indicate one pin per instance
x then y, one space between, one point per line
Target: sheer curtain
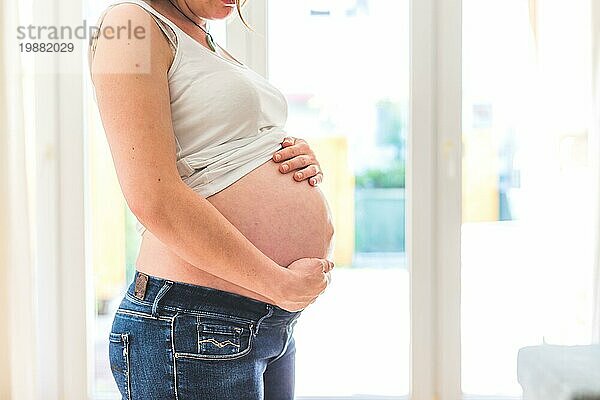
4 347
17 338
595 15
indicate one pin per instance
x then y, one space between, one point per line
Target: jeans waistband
163 294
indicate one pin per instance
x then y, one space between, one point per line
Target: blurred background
529 271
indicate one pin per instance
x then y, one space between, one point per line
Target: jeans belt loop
163 290
270 308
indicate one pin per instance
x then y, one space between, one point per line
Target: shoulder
125 11
128 37
127 16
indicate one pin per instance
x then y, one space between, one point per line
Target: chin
223 12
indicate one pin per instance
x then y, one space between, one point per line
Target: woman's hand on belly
298 155
308 278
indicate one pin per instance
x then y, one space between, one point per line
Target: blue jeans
178 341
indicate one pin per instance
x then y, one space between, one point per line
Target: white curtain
4 346
17 277
595 15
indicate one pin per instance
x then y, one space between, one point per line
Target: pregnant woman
233 247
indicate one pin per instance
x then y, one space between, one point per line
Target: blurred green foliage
391 177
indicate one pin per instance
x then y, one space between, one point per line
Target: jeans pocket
118 354
211 337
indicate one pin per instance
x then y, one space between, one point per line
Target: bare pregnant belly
285 219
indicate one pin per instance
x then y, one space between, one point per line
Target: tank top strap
162 21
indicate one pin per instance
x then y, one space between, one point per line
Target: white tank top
227 119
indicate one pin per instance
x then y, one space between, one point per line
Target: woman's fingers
297 155
288 141
327 265
316 180
312 172
306 173
298 148
297 162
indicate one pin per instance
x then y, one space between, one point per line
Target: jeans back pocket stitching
227 330
199 356
214 328
219 344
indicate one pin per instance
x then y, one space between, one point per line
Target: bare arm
135 110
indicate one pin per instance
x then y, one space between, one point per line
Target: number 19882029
46 47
